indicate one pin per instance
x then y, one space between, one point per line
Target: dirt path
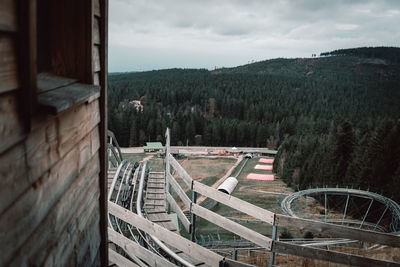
220 181
147 158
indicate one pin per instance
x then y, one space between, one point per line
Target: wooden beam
233 227
103 81
120 260
233 202
181 171
331 256
338 230
172 239
9 65
178 189
8 16
64 98
175 207
134 249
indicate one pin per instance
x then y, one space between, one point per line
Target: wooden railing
270 244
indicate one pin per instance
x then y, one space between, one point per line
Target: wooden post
193 219
234 254
272 254
167 164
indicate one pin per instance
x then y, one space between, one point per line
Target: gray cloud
146 34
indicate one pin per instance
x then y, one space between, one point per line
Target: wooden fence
270 244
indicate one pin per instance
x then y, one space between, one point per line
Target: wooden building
53 77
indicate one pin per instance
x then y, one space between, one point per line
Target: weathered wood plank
11 124
19 221
326 255
338 230
47 81
64 98
233 202
96 58
233 227
181 171
232 263
69 208
131 248
65 253
45 145
175 207
172 239
8 16
96 8
178 189
96 31
96 78
120 260
8 62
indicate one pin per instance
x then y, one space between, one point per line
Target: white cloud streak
148 34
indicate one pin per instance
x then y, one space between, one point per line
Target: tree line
334 119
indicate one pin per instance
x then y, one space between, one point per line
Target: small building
153 147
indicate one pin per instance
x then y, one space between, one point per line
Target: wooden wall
52 196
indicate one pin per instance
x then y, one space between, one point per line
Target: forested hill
326 114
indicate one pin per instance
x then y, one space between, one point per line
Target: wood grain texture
96 58
181 171
47 81
233 202
330 256
65 252
64 98
338 230
233 227
96 31
19 221
178 189
170 238
8 16
120 260
11 124
45 145
133 249
68 209
175 207
96 8
8 63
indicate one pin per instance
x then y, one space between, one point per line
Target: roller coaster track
136 239
393 207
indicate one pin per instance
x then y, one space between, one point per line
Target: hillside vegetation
335 118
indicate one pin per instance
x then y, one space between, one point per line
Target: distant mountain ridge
361 62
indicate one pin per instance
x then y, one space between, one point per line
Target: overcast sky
150 34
